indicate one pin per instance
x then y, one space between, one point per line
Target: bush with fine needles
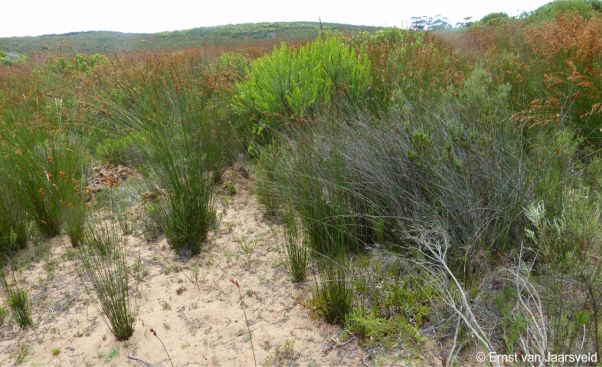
294 84
105 274
17 299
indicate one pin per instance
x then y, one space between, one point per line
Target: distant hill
102 41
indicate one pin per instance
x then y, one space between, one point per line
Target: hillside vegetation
430 186
110 42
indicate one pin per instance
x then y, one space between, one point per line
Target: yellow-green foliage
550 10
291 84
80 63
392 303
12 58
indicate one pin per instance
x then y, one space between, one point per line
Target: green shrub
376 330
12 58
152 226
291 84
493 18
17 300
79 63
108 280
121 150
393 300
549 11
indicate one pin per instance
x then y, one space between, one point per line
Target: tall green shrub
293 84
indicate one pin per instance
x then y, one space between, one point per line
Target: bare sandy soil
201 323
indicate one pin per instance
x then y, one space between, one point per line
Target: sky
30 18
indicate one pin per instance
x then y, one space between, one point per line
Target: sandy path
201 324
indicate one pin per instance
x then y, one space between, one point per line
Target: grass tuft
17 300
107 278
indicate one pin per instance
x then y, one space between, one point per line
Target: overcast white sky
29 17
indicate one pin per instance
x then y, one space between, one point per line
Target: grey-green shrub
568 246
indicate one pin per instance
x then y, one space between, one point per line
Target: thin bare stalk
242 306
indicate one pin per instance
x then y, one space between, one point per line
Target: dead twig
242 305
143 363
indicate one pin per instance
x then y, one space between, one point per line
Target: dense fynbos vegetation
445 181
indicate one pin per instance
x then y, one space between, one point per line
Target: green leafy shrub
493 18
548 12
106 275
120 150
376 330
12 58
80 63
291 84
393 303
